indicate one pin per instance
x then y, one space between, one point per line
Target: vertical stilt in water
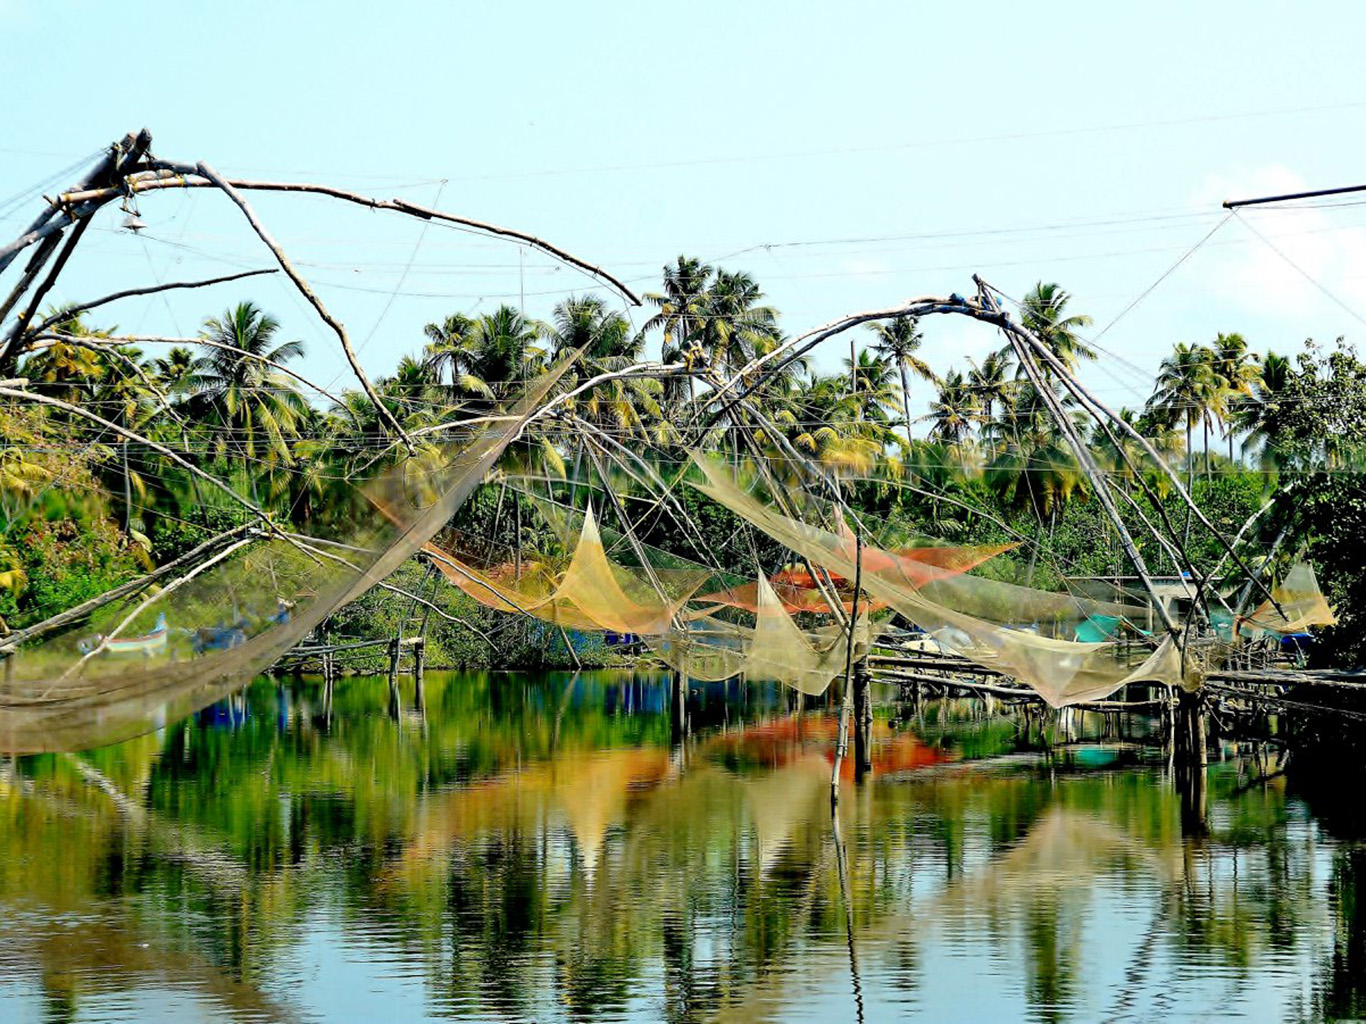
863 720
419 665
395 704
678 682
419 675
1191 758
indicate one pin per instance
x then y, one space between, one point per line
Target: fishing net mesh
236 613
1014 630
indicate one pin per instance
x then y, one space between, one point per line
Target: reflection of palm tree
898 341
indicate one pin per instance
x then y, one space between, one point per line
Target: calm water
536 848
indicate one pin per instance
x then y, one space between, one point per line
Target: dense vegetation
81 509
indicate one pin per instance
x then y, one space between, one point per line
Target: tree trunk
1190 459
906 400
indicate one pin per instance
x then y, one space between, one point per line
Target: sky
849 156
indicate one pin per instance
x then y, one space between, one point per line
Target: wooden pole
419 664
842 742
395 652
863 719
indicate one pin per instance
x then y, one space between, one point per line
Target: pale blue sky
848 155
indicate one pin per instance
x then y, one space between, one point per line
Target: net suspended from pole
775 648
237 612
798 592
593 593
1301 605
1018 631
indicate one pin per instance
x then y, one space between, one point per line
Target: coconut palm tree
1260 415
629 405
991 384
253 406
1187 389
1239 370
870 391
820 419
684 305
898 341
953 410
445 353
1044 313
486 355
177 372
737 326
67 369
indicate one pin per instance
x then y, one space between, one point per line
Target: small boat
146 645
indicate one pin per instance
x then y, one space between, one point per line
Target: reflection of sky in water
535 849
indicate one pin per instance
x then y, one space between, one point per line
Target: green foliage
67 562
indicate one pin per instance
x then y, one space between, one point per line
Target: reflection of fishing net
240 610
1014 630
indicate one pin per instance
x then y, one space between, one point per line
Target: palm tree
819 418
683 306
1187 389
67 369
737 327
444 351
953 410
630 405
251 403
1259 416
1044 313
870 390
899 341
1239 370
991 384
484 354
177 373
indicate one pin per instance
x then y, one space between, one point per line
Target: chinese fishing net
1017 631
592 593
193 641
1296 603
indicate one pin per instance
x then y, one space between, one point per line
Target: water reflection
539 848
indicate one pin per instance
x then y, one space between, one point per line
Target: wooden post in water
678 682
419 664
1190 760
863 719
395 652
